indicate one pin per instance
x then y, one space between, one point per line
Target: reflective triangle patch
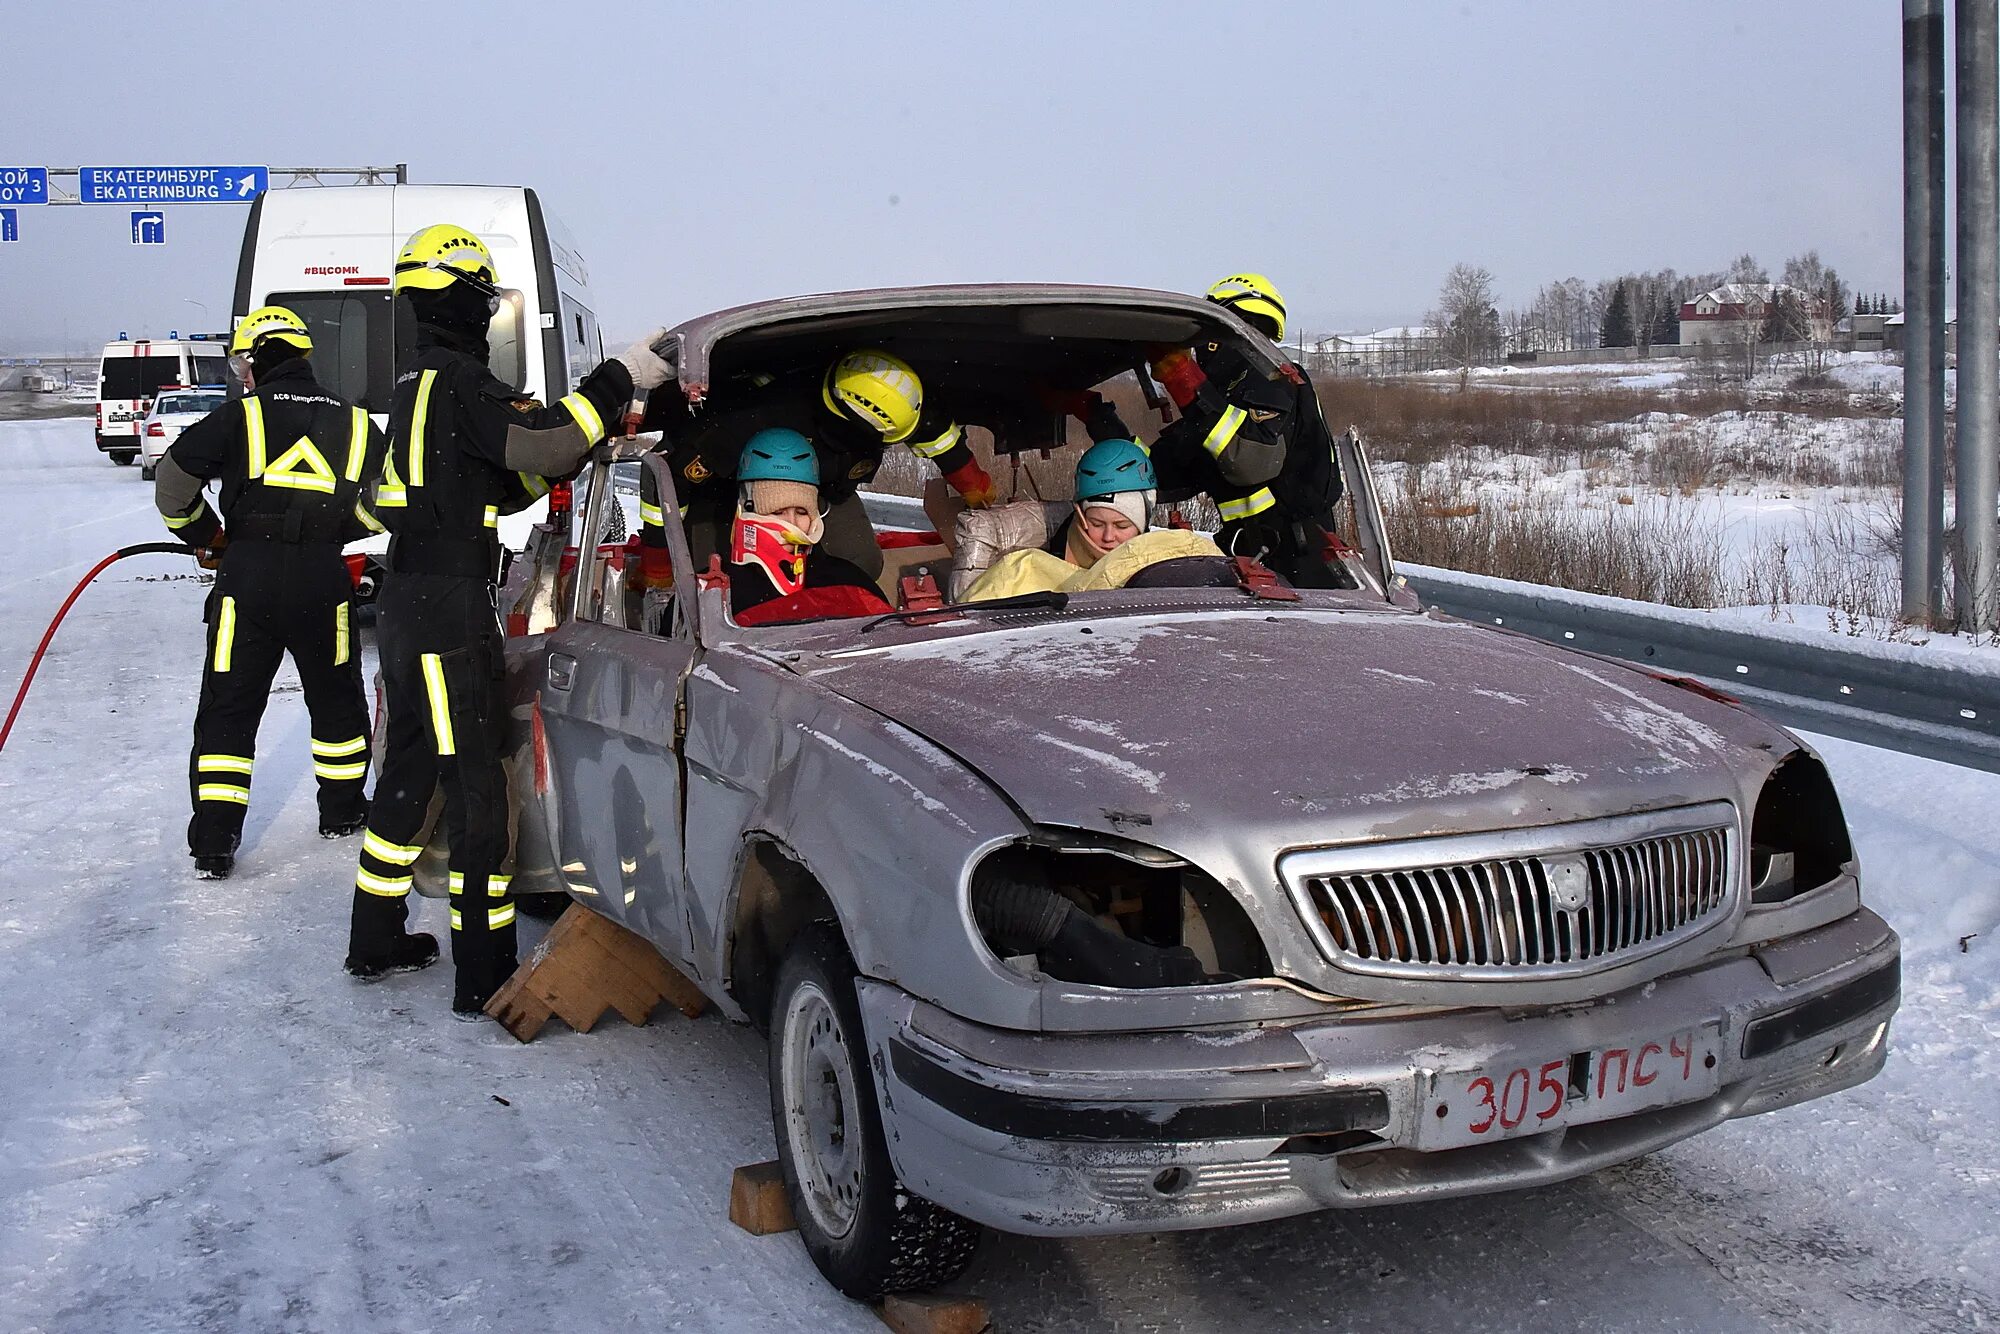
302 468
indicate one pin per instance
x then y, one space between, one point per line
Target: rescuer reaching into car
464 447
775 573
1258 446
851 411
293 460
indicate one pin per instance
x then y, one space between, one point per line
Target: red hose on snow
142 549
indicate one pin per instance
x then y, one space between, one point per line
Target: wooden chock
757 1202
934 1313
588 964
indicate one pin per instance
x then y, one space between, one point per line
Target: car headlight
1798 836
1110 912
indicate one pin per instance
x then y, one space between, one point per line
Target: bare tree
1745 269
1467 325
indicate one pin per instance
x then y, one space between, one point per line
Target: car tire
863 1229
124 458
145 472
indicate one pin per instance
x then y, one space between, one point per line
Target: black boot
214 865
406 955
341 828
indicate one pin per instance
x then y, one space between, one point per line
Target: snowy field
206 1125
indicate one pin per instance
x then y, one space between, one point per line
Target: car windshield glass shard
1052 601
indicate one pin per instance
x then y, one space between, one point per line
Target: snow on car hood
1314 726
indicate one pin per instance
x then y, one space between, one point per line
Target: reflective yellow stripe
652 515
337 772
391 498
458 882
492 516
495 918
333 750
253 430
339 637
222 764
396 854
440 703
1223 434
1255 503
185 519
496 885
301 468
368 521
357 446
222 792
225 632
537 486
388 887
944 443
585 415
418 420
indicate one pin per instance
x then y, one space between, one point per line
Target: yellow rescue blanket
1038 572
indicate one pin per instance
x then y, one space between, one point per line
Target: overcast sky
709 156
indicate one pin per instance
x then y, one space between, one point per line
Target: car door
610 708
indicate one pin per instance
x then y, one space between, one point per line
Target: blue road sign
171 185
149 228
24 185
10 225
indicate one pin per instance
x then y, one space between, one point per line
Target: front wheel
867 1234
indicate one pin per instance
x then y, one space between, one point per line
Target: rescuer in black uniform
465 447
1255 443
293 460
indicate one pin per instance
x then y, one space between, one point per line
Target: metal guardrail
1920 704
1927 706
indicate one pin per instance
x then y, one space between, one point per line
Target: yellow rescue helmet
441 254
269 322
1255 298
872 386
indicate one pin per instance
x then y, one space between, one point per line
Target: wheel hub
822 1111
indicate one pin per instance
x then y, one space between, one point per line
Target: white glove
648 371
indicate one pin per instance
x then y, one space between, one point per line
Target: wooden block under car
757 1202
588 964
934 1313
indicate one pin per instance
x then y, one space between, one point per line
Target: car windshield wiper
1051 600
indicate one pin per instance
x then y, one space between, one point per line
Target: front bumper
1079 1134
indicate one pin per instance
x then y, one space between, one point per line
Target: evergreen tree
1861 304
1616 331
1666 321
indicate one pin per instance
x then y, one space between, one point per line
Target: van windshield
354 346
124 378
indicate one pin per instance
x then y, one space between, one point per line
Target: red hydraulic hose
143 548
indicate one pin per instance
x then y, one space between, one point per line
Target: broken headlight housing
1798 836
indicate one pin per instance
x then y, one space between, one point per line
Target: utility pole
1923 305
1978 459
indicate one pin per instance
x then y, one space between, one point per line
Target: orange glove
1179 373
210 556
970 480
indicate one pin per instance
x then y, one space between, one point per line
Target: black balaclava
269 355
458 312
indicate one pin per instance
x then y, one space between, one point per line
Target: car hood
1305 726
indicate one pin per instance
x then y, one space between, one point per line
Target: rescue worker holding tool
852 411
464 445
293 460
1258 446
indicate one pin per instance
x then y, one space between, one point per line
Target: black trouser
270 599
442 685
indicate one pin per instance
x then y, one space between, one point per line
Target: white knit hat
1135 506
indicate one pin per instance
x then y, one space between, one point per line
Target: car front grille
1581 901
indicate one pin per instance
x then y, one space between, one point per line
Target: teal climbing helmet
1111 466
778 454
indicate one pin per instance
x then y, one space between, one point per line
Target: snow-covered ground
205 1125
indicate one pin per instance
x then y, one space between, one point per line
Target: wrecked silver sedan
1172 907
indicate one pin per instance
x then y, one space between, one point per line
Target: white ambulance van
131 372
328 253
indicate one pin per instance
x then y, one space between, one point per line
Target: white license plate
1527 1097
